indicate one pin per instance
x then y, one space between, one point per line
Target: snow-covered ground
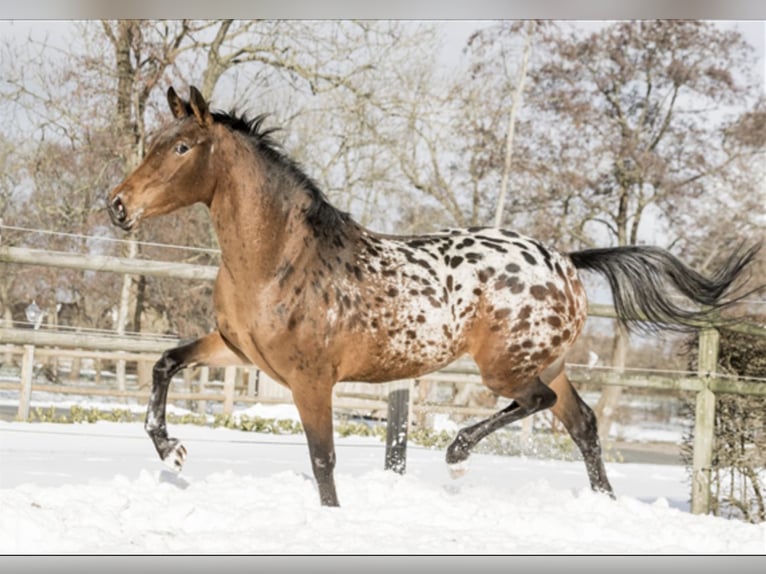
99 488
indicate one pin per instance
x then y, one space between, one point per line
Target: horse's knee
537 397
166 366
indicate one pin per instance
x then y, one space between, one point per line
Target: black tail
646 283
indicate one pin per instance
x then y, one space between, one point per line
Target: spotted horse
312 297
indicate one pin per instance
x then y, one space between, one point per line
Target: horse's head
176 171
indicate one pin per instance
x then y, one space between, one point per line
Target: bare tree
626 127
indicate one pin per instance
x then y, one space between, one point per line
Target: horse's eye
181 148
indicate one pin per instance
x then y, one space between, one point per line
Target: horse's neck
258 232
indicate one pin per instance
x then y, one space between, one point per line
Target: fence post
204 377
397 425
252 382
704 423
27 368
229 382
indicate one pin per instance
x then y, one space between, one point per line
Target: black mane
324 219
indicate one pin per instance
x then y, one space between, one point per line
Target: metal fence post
397 425
704 423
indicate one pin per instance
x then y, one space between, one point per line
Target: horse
311 297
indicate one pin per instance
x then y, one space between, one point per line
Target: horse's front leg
314 404
209 350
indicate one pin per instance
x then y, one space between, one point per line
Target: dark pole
396 426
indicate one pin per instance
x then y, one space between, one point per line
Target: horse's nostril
118 209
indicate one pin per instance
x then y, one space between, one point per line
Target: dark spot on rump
508 233
495 246
540 355
525 312
420 318
447 331
555 340
566 334
467 242
473 258
522 327
497 240
485 274
554 321
512 283
428 291
502 313
411 334
417 243
515 285
527 344
455 261
405 251
512 268
528 258
538 292
445 246
392 291
449 283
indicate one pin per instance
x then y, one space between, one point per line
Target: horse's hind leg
533 397
581 423
210 350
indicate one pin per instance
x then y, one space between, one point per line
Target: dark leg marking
580 422
539 398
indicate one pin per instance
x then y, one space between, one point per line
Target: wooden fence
706 383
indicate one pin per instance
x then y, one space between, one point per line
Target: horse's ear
199 108
176 104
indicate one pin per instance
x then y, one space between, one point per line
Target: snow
100 489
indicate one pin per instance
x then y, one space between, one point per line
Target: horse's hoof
176 455
457 469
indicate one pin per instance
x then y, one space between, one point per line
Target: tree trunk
515 105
